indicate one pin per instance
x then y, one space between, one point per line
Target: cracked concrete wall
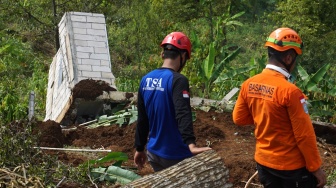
83 54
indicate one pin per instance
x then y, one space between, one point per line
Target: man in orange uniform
286 150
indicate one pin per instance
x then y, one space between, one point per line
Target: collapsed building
81 71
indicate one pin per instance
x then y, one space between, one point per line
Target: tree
314 21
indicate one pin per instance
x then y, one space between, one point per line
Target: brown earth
234 144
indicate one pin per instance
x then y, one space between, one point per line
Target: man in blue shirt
164 112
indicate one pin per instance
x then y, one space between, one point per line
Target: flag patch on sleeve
304 104
185 94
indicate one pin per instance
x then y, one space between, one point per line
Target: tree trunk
203 170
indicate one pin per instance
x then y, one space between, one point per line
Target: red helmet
179 40
283 39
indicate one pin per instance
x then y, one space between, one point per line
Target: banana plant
257 65
210 71
311 82
121 117
320 88
113 173
233 76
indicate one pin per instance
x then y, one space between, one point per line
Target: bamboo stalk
72 149
88 123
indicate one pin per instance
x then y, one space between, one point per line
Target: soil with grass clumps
234 144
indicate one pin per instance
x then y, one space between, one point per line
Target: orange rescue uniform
285 137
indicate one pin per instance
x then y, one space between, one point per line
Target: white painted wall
83 54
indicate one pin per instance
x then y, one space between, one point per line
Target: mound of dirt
90 89
234 144
51 134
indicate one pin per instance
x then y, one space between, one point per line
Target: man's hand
196 150
321 177
140 158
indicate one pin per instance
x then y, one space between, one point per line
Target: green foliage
21 72
321 92
113 173
122 117
314 21
117 157
210 71
135 29
123 81
332 178
17 141
233 76
310 82
219 54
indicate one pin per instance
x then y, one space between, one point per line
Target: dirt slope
234 144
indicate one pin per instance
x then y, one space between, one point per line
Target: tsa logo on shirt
153 84
304 104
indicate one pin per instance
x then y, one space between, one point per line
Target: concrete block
81 25
98 26
101 69
84 49
99 56
98 15
84 67
83 43
79 31
61 24
83 55
97 44
102 50
81 13
78 18
90 62
105 63
107 75
63 48
61 28
96 19
99 38
99 32
83 37
91 74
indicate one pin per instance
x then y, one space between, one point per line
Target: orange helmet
283 39
179 40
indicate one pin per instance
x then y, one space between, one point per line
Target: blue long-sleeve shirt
164 115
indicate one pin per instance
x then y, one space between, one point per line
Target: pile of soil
234 144
90 89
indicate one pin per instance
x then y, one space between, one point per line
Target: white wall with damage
83 54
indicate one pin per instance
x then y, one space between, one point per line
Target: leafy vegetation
113 173
227 38
217 30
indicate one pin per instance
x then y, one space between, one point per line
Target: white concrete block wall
83 54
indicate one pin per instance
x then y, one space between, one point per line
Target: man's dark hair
170 51
170 54
272 53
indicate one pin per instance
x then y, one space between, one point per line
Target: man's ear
185 55
162 55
